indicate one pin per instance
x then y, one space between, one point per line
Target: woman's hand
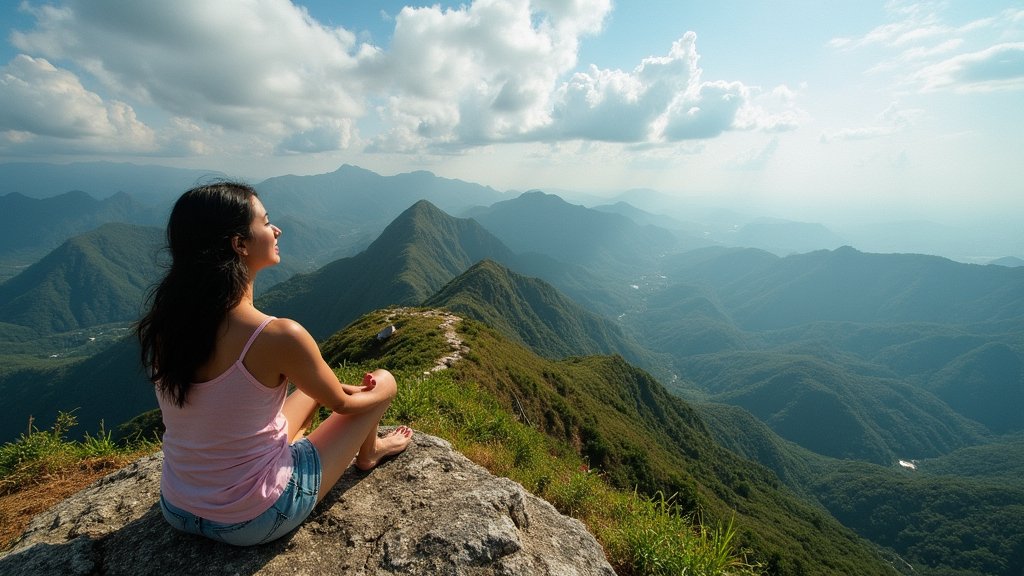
368 384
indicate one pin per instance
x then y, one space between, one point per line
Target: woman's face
260 250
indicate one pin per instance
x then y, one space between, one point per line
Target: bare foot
387 445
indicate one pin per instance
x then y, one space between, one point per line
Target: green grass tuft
39 454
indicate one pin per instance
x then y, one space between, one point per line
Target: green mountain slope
31 227
417 253
687 320
534 313
1003 459
985 384
852 355
742 433
937 524
95 278
352 205
958 514
105 389
831 409
631 430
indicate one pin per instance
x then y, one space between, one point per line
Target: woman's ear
238 244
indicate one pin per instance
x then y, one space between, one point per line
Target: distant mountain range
148 184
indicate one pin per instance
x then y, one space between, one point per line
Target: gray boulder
427 511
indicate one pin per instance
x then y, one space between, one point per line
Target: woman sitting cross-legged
238 466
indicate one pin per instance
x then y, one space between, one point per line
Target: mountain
689 319
741 432
833 409
977 244
98 277
546 224
325 216
148 183
784 236
985 384
690 234
937 524
851 355
32 227
1008 261
354 194
848 285
352 205
853 386
417 254
536 314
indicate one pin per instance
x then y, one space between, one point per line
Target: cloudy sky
801 108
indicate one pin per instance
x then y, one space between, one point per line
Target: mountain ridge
423 247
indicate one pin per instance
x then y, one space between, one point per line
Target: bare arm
301 363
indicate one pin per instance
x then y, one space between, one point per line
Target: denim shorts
291 508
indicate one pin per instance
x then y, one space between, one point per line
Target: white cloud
664 99
893 120
320 138
932 55
262 66
999 67
480 73
43 101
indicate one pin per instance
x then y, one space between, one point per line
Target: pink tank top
226 454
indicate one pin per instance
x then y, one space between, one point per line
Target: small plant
656 537
38 454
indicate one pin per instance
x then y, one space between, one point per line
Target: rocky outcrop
427 511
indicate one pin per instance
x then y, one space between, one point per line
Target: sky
805 110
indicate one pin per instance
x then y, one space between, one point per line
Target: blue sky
806 110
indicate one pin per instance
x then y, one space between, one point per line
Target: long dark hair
206 279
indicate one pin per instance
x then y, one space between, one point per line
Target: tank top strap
252 338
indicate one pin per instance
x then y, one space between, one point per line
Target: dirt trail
447 323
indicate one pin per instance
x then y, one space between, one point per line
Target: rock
427 511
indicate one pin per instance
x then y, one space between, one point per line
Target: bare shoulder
288 334
285 327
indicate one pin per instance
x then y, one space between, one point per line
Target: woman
238 466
